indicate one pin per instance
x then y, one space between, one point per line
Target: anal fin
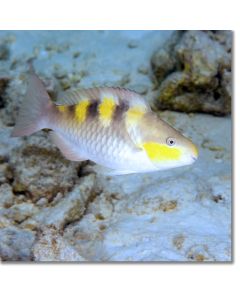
67 148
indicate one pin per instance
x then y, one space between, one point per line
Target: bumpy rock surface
4 50
63 210
193 72
52 210
16 244
39 170
50 247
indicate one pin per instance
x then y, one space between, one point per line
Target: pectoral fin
67 148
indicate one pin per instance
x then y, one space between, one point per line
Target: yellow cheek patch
62 108
134 115
159 152
106 110
81 110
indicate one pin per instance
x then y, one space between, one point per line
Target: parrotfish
113 127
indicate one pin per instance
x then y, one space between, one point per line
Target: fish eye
171 141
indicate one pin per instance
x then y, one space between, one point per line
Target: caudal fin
34 110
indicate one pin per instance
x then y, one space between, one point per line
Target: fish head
165 146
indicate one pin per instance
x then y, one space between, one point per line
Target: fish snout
194 152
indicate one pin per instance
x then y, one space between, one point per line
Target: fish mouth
194 158
194 152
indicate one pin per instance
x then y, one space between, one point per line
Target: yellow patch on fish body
159 152
134 115
106 110
81 110
62 108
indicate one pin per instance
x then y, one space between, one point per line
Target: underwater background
50 210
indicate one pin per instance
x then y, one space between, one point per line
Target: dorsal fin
93 94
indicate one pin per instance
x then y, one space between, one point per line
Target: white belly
110 147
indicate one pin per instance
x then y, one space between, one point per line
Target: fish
111 126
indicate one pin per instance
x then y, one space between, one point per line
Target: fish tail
35 110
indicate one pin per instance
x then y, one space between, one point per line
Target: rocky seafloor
51 210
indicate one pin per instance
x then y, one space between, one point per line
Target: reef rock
16 244
40 170
194 72
6 195
51 246
64 210
4 51
4 80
